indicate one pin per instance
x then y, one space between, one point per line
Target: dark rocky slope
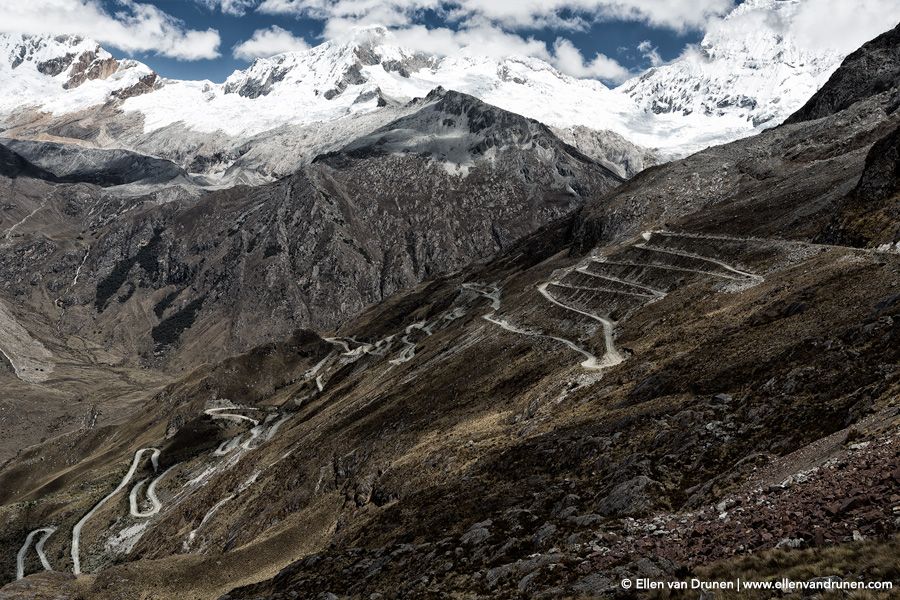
871 70
145 282
870 213
13 165
76 164
785 181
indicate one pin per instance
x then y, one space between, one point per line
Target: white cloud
813 26
136 27
481 40
568 59
841 25
488 27
649 52
237 8
268 42
677 15
511 14
383 12
489 40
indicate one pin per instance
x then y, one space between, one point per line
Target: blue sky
617 39
232 29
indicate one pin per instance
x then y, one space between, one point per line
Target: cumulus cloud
839 25
843 26
568 59
513 14
491 27
385 12
650 53
134 27
489 40
268 42
661 13
236 8
481 40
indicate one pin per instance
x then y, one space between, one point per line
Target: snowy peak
371 57
55 70
71 59
363 73
330 68
747 68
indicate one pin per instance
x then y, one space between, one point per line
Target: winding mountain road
217 413
228 445
215 507
409 347
273 429
254 433
492 293
39 548
155 504
76 530
590 361
650 290
727 267
582 288
612 356
340 343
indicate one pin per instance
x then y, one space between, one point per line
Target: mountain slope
13 165
610 149
869 216
101 167
172 276
457 130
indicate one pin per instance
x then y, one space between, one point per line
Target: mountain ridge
742 86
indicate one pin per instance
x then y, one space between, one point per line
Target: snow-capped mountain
747 74
61 74
369 71
263 122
